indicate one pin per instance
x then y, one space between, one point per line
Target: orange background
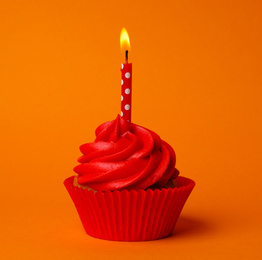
196 82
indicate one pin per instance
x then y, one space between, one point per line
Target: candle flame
124 40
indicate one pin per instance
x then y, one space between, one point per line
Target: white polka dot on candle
122 82
121 113
122 66
127 107
127 91
127 75
122 98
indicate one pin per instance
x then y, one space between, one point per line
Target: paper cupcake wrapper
130 215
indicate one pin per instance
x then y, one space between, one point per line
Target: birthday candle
126 79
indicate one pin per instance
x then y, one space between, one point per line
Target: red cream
125 156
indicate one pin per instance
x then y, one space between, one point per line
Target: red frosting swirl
125 156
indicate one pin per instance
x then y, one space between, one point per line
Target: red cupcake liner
130 215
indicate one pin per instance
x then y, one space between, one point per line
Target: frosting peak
125 156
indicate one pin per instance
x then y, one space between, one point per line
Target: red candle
126 80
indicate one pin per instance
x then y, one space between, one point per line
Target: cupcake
126 186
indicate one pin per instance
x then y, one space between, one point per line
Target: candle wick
126 56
